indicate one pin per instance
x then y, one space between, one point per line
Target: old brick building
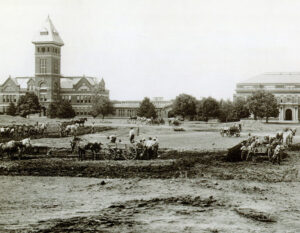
48 83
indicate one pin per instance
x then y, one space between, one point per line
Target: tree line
260 104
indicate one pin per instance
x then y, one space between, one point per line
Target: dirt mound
255 215
124 216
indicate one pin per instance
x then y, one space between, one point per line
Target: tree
226 111
28 104
61 109
147 109
208 108
263 104
101 105
52 110
11 110
241 108
185 105
65 110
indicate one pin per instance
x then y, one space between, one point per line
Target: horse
288 136
83 145
42 127
11 147
81 121
25 144
72 129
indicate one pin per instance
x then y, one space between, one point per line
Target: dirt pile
255 215
123 217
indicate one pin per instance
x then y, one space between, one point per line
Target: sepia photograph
141 116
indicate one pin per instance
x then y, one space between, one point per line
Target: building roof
69 82
274 78
48 34
136 104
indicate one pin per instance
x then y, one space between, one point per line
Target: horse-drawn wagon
112 151
230 131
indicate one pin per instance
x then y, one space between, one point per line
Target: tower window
43 68
48 49
43 49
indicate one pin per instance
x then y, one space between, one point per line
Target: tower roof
48 34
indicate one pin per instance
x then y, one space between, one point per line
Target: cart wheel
113 154
108 154
130 153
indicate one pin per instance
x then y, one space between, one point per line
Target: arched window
43 86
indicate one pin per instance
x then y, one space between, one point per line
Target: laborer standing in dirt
60 129
277 154
244 151
131 135
112 138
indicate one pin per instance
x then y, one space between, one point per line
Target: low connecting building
51 86
129 108
284 85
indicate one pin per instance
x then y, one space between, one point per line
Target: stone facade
286 88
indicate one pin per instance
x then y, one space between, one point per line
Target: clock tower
47 63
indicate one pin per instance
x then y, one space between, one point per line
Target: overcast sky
157 47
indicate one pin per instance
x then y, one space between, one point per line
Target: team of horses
13 147
142 149
23 130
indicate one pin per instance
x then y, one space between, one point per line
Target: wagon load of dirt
234 153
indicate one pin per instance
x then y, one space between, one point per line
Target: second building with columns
284 85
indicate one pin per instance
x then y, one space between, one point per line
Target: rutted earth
183 191
209 196
63 204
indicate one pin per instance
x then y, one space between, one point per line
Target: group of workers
273 147
148 148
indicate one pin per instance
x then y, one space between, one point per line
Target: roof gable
10 84
74 82
82 83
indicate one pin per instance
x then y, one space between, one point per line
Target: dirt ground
189 189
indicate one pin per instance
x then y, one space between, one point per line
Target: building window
78 99
43 50
56 67
48 50
43 69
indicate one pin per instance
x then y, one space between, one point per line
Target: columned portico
288 113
